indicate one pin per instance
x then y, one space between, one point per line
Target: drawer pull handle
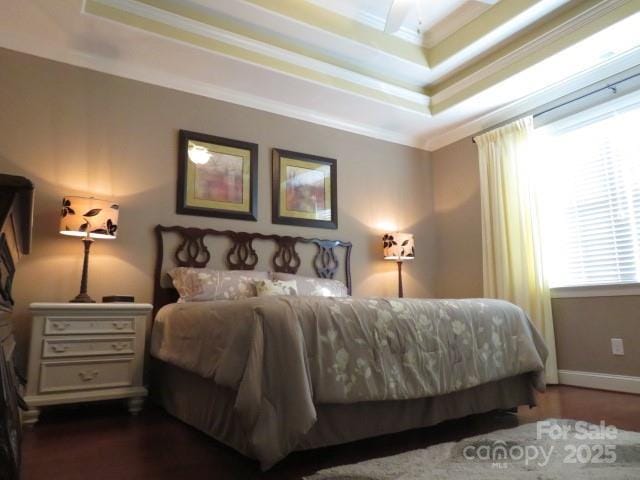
119 346
88 375
119 325
59 348
60 325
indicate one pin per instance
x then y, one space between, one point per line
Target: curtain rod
608 86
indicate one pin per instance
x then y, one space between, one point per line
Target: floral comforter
284 355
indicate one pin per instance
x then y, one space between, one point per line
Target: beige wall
584 326
456 191
75 131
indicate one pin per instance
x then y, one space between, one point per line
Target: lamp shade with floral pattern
89 217
398 246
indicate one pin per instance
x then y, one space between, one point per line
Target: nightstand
84 352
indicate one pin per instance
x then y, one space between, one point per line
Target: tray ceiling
427 22
453 68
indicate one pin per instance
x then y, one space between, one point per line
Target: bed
270 375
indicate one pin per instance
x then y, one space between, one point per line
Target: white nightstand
82 352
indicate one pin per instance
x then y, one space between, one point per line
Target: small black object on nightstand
118 299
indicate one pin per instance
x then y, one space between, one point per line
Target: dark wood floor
102 441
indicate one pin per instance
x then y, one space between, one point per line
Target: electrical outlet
617 347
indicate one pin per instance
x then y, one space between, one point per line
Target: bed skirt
203 404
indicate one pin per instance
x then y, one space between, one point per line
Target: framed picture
305 190
217 177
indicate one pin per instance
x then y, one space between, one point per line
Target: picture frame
217 177
304 189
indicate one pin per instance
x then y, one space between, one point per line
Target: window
589 187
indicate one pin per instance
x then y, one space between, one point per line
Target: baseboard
602 381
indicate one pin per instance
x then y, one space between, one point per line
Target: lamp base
82 298
400 292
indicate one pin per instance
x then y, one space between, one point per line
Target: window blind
590 190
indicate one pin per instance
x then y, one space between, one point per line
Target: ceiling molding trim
487 23
215 19
550 38
441 30
489 28
345 27
428 39
475 44
541 97
146 9
374 21
175 28
164 79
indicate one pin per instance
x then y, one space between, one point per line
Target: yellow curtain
511 242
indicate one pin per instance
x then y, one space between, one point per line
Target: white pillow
314 287
267 288
204 284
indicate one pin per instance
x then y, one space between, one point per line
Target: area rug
546 450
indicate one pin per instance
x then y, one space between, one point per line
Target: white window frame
625 102
608 290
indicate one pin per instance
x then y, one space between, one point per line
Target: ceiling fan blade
397 14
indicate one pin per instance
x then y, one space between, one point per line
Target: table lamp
89 218
398 247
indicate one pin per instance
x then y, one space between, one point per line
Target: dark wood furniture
241 255
16 219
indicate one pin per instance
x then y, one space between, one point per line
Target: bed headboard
191 251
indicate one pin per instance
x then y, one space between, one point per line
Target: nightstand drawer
85 375
88 325
82 347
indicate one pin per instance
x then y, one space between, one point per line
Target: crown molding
176 23
143 16
175 82
515 58
505 22
245 18
527 104
429 39
435 142
444 29
344 27
371 20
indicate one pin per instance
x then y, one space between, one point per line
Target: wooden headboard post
193 252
